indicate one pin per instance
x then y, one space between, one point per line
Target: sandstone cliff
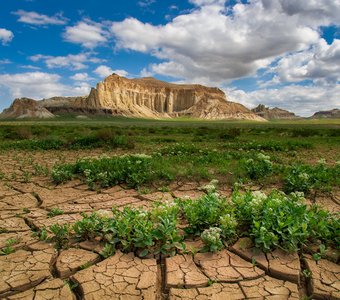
328 114
26 108
148 97
273 113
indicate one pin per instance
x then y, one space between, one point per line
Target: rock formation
328 114
151 98
273 113
26 108
148 97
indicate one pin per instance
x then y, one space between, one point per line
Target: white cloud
104 71
312 12
81 77
219 45
72 61
302 100
320 63
34 18
87 33
38 85
5 36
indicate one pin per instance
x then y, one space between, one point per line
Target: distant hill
273 113
26 108
327 114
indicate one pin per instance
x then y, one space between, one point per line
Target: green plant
257 167
305 178
212 239
89 226
8 249
204 212
108 250
306 273
168 239
228 225
43 234
55 212
278 220
61 235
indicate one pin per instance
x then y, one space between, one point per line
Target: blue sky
282 53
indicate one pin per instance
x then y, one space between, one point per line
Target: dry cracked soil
37 271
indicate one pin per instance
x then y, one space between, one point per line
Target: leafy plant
305 178
61 235
8 249
257 167
212 239
167 237
55 212
89 226
204 212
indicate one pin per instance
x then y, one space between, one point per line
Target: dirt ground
36 270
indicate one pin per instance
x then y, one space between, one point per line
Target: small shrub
212 239
61 235
204 212
257 167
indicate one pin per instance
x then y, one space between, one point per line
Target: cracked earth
37 271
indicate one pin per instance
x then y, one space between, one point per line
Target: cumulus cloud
320 63
87 33
312 12
5 36
81 77
302 100
38 85
72 61
34 18
104 71
211 43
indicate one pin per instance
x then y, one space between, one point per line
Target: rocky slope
273 113
26 108
151 98
328 114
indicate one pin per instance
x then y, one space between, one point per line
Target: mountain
273 113
151 98
26 108
327 114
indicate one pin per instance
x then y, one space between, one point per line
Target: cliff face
26 108
328 114
148 97
273 113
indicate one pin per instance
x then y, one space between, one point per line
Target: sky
281 53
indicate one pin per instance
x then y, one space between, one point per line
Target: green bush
305 178
204 212
257 167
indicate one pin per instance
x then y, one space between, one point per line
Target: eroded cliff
148 97
26 108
